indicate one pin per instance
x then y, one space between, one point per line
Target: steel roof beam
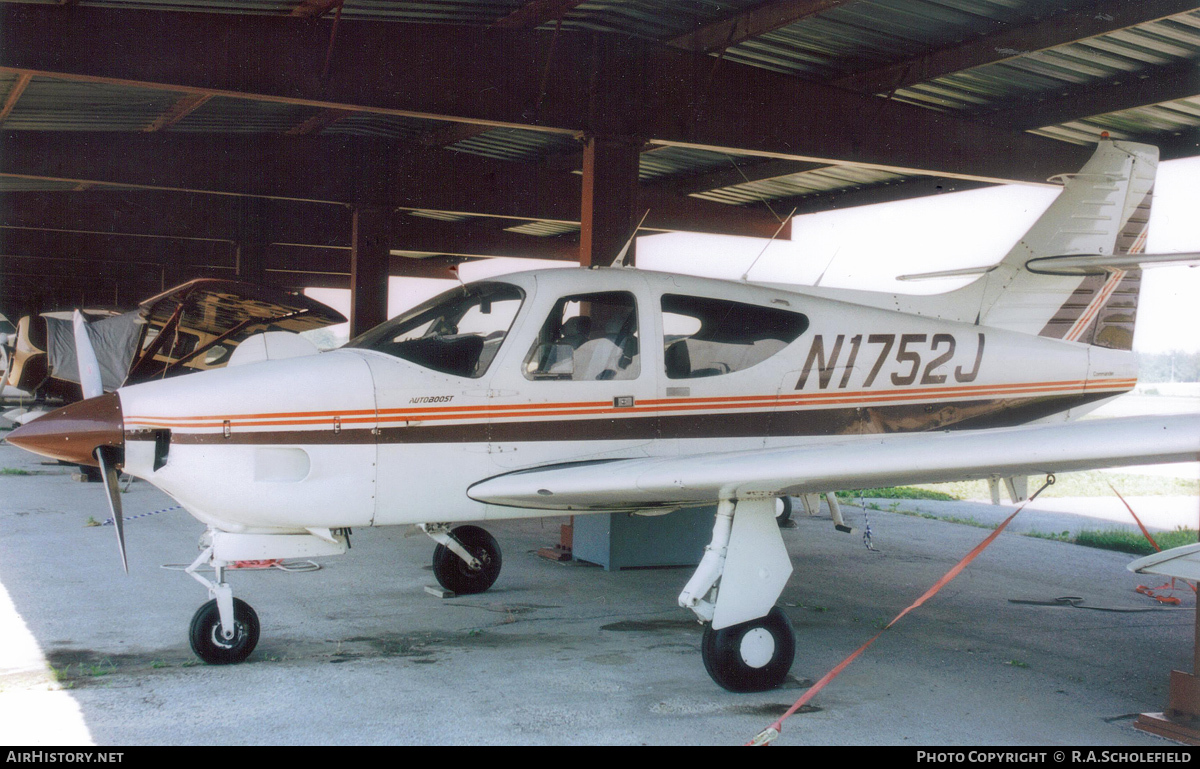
155 214
178 111
744 25
340 169
905 189
1129 90
733 175
14 93
603 85
314 8
1057 30
536 13
318 122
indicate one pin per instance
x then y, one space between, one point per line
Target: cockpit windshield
458 332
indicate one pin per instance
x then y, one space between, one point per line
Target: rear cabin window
458 332
587 337
706 337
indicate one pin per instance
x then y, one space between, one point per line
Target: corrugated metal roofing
1096 59
545 229
516 144
226 115
65 105
806 183
853 37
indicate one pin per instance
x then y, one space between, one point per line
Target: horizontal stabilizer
1101 264
859 462
1177 563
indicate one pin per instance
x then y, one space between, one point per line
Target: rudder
1103 210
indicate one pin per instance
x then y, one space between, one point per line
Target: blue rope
109 521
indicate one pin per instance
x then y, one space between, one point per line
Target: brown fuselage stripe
598 408
908 417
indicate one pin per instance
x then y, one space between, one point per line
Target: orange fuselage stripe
593 408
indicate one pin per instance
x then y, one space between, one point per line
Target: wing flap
848 463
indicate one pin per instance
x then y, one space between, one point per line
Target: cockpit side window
706 337
587 337
458 332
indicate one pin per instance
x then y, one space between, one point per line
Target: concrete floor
359 653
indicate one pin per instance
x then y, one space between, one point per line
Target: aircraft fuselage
358 437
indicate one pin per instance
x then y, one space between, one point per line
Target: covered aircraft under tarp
194 326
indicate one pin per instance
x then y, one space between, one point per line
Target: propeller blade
85 355
107 455
8 361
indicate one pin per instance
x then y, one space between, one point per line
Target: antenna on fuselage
620 260
786 219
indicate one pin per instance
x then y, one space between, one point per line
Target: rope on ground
1077 602
109 521
772 732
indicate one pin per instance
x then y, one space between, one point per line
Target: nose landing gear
211 643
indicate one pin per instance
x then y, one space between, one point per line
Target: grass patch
1133 542
961 520
1122 541
14 471
1092 483
900 492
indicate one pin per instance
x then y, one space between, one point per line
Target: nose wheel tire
210 644
751 657
455 574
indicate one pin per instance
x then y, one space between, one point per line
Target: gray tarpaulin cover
114 338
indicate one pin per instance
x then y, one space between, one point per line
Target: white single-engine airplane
604 390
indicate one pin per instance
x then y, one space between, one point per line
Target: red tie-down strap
772 732
1150 591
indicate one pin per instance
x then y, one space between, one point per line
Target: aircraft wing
214 307
197 325
857 462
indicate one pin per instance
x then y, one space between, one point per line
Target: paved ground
358 653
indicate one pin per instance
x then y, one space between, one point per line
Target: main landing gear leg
748 644
467 558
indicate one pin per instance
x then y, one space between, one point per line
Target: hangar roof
467 114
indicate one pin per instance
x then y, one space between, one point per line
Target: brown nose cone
74 432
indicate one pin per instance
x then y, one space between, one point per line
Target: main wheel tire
211 646
783 510
454 574
751 657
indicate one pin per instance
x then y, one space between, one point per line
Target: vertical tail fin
1103 210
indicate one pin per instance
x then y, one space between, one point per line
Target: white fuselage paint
358 437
